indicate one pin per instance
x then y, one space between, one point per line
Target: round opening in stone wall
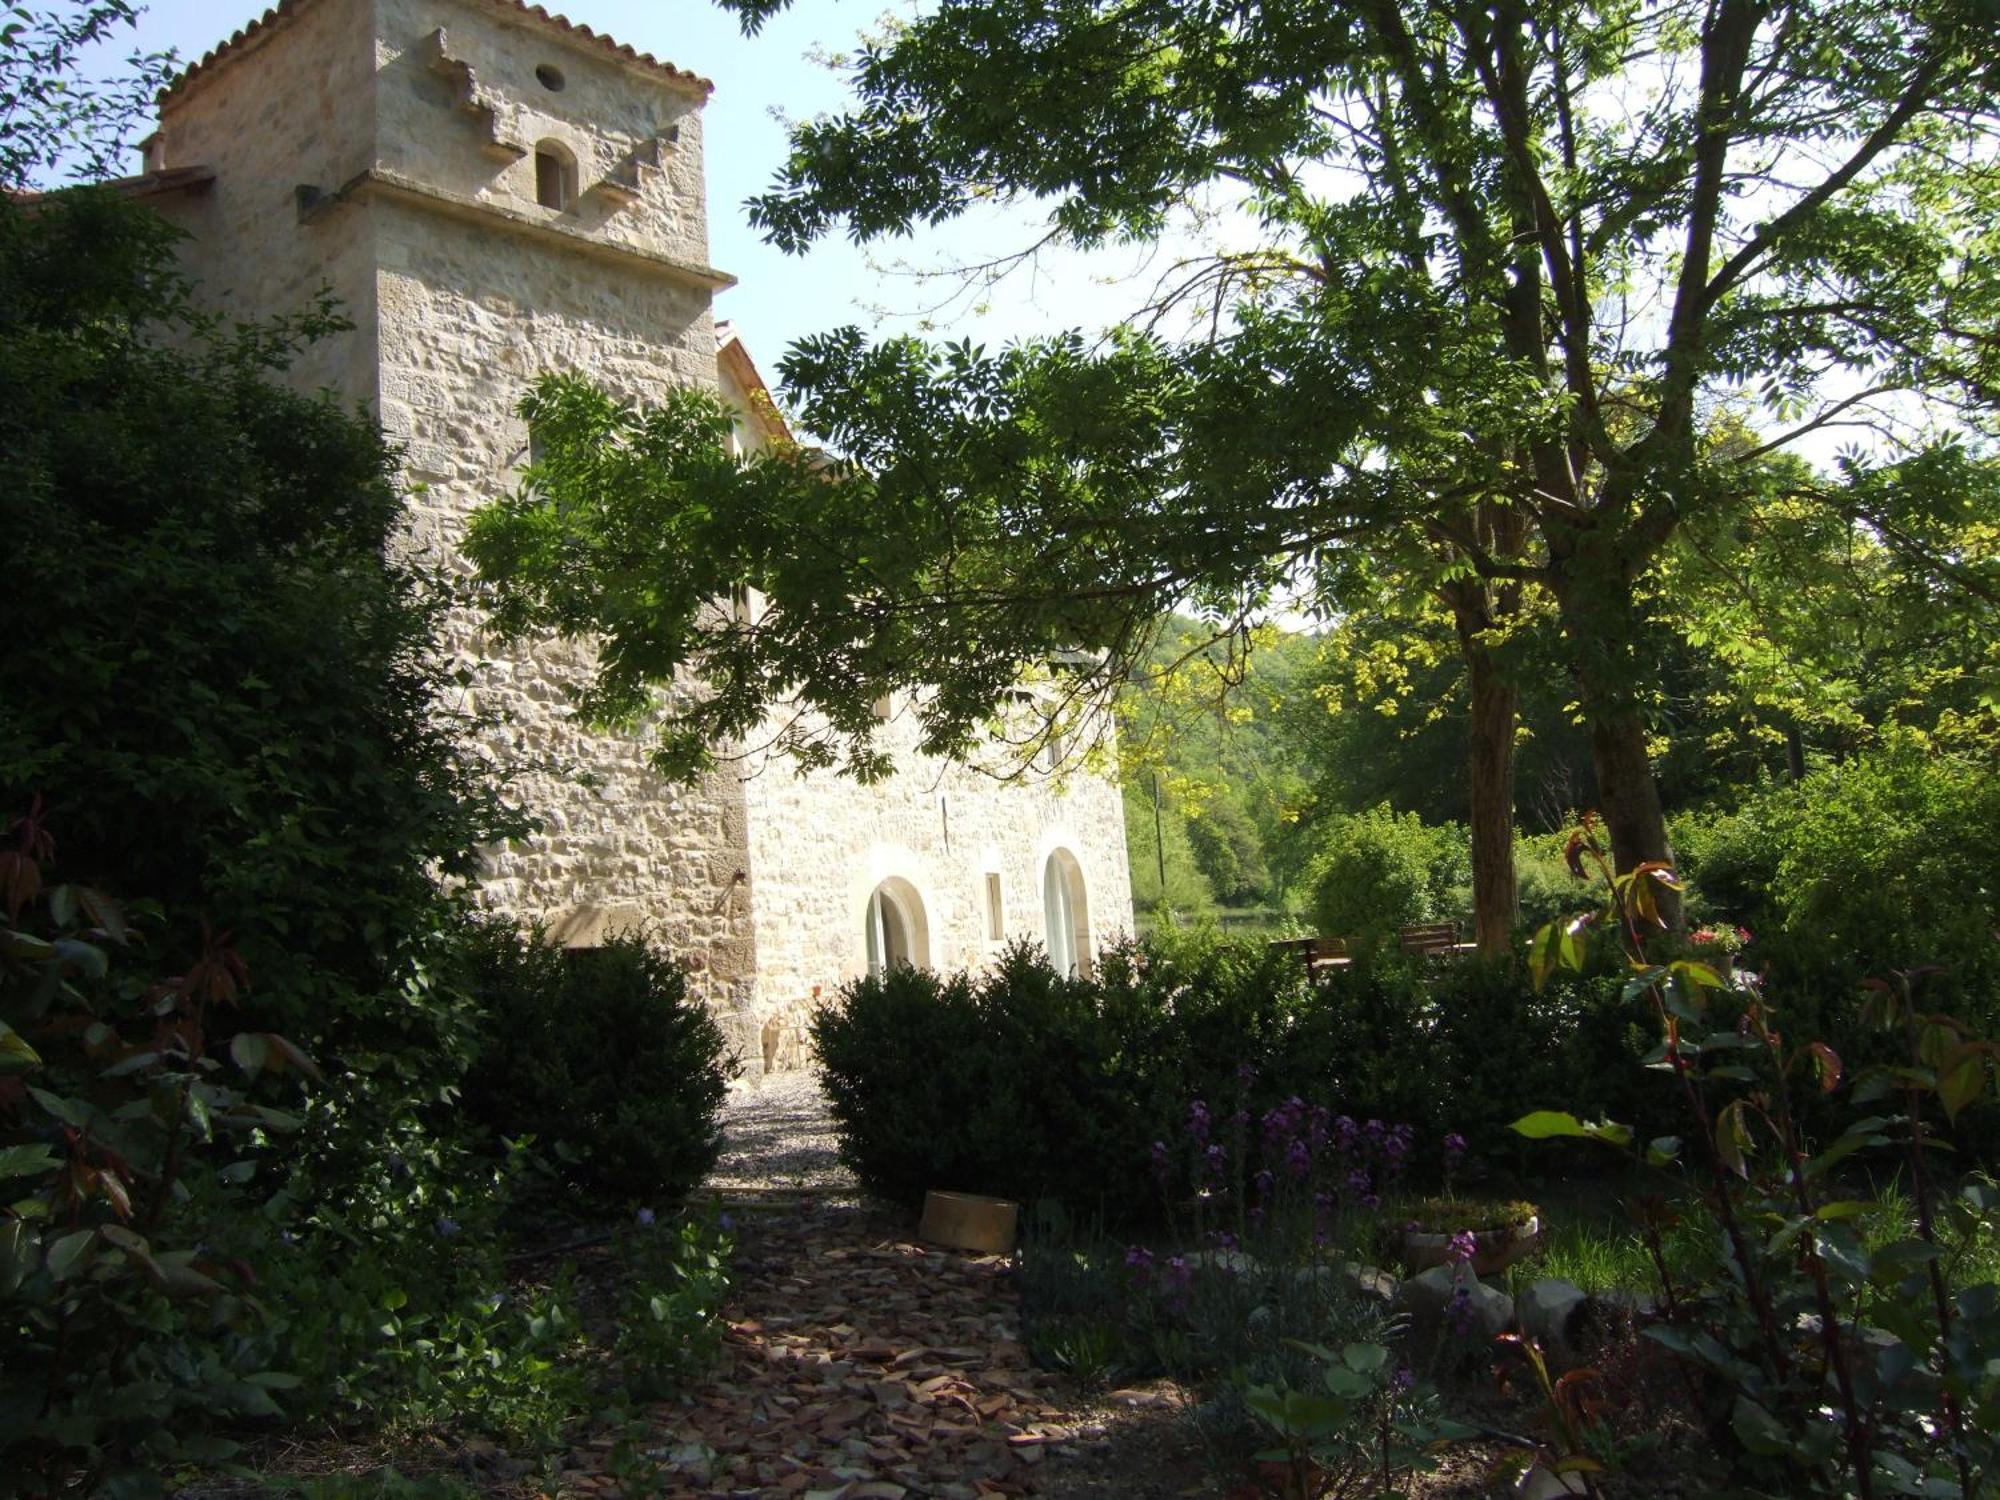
550 77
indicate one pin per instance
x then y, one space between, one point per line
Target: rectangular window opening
996 928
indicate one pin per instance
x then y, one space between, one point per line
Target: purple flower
1215 1161
1359 1183
1176 1278
1454 1151
1197 1126
1139 1261
1245 1075
1263 1182
1222 1239
1298 1160
446 1226
1460 1311
1317 1121
646 1217
1462 1247
726 1224
1402 1380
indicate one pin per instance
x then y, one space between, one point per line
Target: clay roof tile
223 51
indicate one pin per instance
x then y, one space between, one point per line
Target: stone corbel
626 183
473 99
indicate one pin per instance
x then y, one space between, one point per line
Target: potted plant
1438 1229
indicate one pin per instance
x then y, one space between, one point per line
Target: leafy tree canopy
1509 265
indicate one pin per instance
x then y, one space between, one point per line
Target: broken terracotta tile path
860 1365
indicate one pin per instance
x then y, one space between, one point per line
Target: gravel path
777 1135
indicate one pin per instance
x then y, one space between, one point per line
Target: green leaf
1364 1358
16 1056
69 1111
1758 1430
1961 1079
70 1252
26 1161
1548 1124
1544 954
1732 1137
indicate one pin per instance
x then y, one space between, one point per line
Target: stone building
492 191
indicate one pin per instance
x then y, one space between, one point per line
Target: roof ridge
224 50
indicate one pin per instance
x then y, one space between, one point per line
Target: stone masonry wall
461 108
296 108
470 311
821 844
414 121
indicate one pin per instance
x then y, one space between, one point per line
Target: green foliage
1376 872
222 629
1008 1084
1845 1365
670 1315
1203 717
601 1056
219 627
1885 862
1186 892
50 117
1358 1426
1028 1086
132 1343
1227 848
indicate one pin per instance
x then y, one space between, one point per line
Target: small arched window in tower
555 176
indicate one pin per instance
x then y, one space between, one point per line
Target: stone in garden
1370 1281
1554 1314
1233 1261
1428 1300
1541 1483
1352 1277
1619 1304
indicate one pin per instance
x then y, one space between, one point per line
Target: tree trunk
1477 610
1490 783
1593 592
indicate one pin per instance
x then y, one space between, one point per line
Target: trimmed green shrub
1010 1084
1025 1085
601 1056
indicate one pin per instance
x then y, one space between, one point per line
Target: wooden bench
1317 953
1433 939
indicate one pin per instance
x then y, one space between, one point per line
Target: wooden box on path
966 1221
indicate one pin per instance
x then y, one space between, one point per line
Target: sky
780 297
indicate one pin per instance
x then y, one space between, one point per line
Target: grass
1591 1242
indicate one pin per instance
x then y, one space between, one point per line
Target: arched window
555 176
895 931
1066 915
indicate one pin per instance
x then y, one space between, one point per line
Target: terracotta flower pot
1494 1250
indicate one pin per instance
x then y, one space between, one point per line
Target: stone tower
491 191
